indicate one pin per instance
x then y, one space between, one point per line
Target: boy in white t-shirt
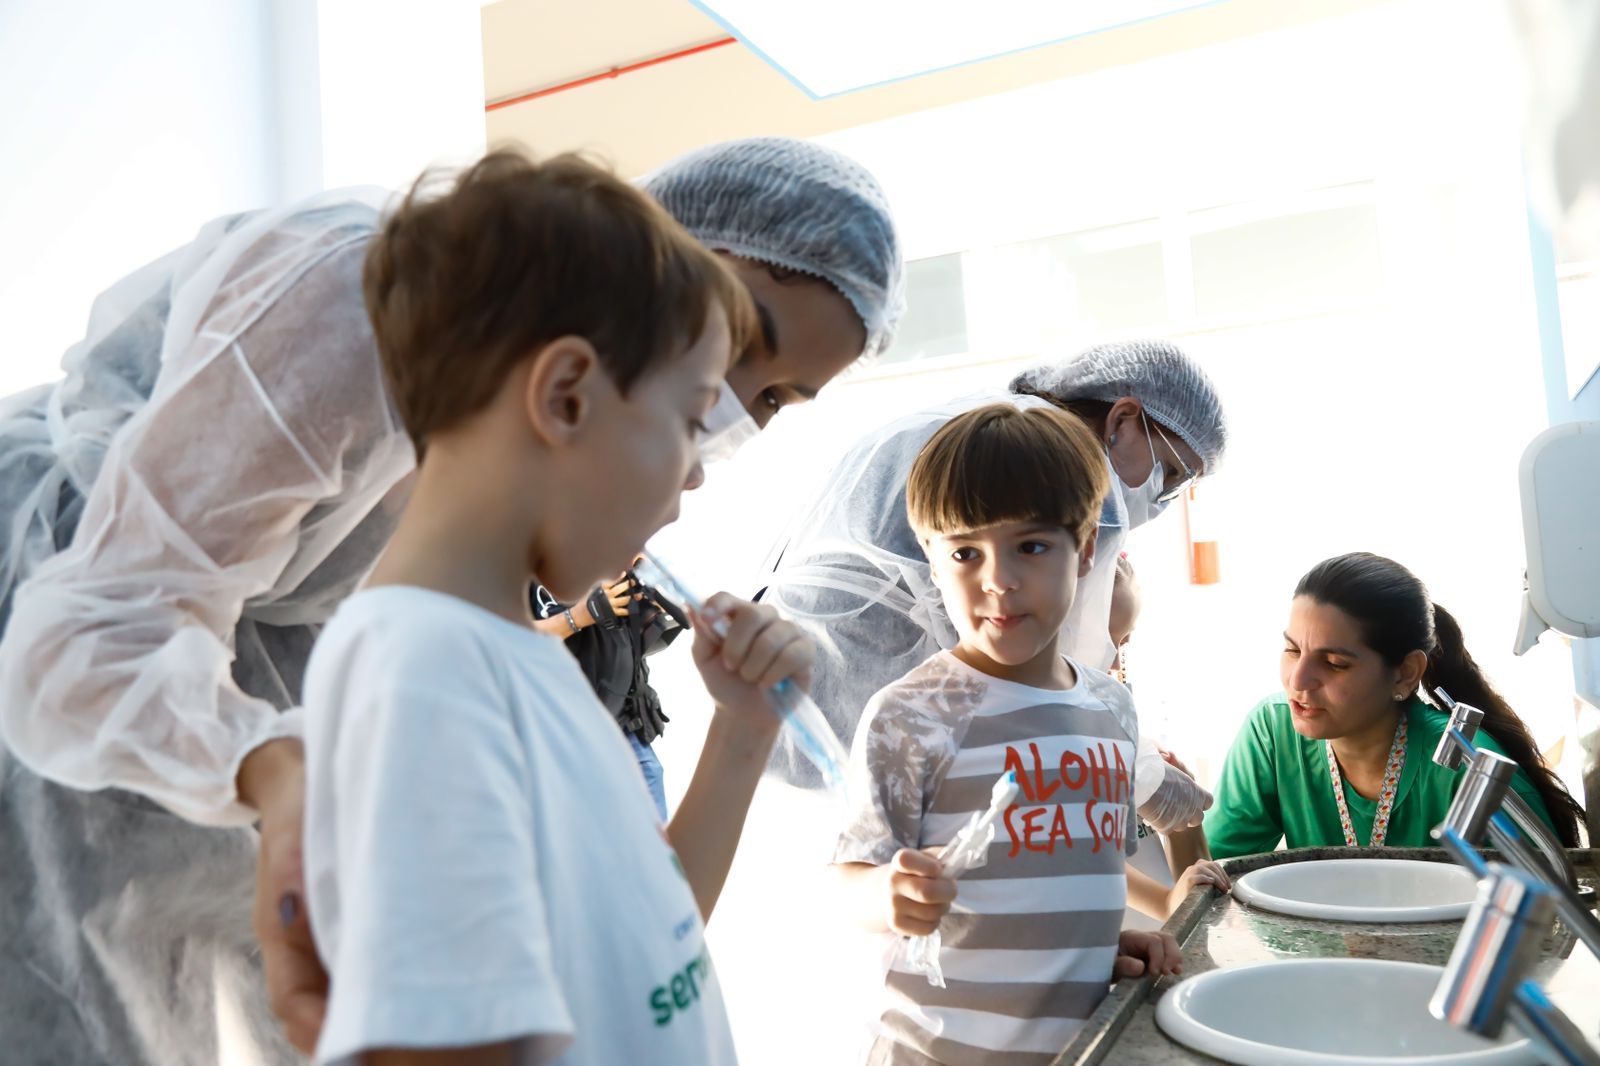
488 879
1005 503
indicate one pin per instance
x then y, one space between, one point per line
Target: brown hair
462 285
1000 464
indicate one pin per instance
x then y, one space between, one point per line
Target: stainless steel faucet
1476 810
1486 981
1456 748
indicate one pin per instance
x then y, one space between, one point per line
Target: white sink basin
1361 890
1326 1012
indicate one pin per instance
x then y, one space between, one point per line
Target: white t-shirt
1150 860
483 861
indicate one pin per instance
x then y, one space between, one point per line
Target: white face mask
728 428
1143 503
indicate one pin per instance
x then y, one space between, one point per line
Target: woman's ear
560 394
1412 667
1086 553
1123 418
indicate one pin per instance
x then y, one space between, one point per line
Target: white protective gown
218 469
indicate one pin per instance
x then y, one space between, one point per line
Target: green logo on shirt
682 990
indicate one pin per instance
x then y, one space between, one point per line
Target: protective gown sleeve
854 577
114 671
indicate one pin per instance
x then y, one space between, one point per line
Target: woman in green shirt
1344 755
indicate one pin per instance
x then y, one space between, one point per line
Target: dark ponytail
1452 668
1397 617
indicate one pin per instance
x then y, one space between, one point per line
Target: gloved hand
1177 803
608 604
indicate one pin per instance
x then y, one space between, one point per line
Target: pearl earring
1111 439
1398 696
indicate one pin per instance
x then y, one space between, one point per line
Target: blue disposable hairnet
1172 387
795 205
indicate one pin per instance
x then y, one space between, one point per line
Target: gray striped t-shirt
1030 941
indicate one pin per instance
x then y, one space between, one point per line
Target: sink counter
1217 931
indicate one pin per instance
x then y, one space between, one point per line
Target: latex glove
1178 803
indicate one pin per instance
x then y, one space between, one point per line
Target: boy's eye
964 555
771 399
1033 547
1338 666
1291 651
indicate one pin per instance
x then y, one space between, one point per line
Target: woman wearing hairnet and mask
851 570
219 468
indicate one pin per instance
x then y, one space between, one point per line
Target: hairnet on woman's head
1170 385
795 205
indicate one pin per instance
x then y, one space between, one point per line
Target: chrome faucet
1456 748
1486 980
1476 810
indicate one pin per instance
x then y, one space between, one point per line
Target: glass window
1116 275
935 322
1292 264
1043 295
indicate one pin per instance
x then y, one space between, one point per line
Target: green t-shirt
1275 786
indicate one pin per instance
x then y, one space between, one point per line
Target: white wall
130 125
127 125
401 88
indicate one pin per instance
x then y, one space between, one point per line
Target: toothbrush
968 851
970 848
801 716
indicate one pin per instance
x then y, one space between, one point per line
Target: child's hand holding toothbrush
918 892
744 649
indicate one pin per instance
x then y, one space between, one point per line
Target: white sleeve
114 671
888 774
442 938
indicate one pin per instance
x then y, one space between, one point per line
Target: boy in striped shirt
1005 503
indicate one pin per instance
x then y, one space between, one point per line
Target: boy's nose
998 577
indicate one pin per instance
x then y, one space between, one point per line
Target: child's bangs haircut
1000 464
464 283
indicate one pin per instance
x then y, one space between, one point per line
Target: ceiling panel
642 119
